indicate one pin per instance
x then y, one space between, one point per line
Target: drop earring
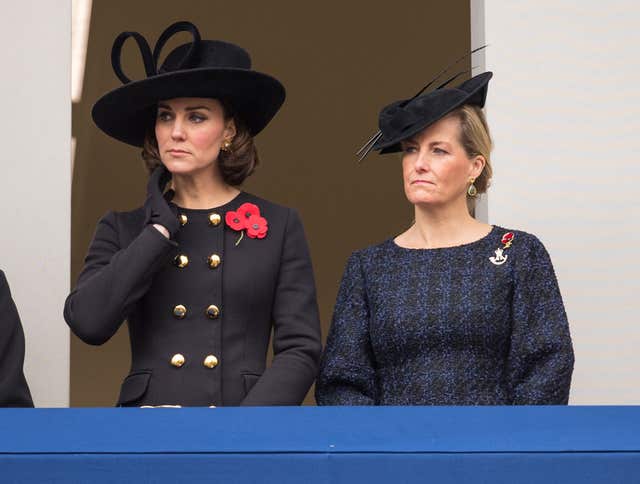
472 191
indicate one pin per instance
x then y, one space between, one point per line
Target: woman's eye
410 149
197 118
439 151
164 115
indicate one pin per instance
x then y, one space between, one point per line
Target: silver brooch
499 258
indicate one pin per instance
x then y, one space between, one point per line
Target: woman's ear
230 129
477 165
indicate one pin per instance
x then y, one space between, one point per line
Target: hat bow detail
149 59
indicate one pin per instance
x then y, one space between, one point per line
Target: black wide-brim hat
403 119
202 68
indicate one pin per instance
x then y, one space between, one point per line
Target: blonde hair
476 140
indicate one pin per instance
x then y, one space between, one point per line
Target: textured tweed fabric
449 327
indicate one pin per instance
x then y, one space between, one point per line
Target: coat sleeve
541 356
14 391
113 279
347 371
296 326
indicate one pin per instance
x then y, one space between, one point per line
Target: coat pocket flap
134 386
249 381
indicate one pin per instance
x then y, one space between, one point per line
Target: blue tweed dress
477 324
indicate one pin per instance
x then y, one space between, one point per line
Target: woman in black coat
14 391
204 272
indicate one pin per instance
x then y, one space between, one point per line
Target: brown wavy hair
235 165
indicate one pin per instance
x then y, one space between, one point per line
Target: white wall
564 108
36 184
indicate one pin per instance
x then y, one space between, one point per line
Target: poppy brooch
500 257
247 219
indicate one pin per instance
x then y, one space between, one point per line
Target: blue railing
322 445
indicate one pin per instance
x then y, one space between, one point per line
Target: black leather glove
158 210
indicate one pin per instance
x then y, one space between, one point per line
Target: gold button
213 311
211 361
215 219
183 219
179 311
181 261
177 360
214 261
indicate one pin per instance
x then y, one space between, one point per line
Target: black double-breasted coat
14 391
201 308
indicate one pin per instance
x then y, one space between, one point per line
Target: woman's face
435 166
190 131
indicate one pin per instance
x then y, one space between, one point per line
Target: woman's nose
177 132
421 162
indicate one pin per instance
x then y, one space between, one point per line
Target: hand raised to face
158 210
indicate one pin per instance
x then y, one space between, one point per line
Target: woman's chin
184 168
180 171
422 197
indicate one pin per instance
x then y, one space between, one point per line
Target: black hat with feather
403 119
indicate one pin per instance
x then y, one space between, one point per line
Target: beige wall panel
564 108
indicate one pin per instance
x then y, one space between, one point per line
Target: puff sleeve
540 361
347 370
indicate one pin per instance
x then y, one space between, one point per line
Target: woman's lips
422 182
178 152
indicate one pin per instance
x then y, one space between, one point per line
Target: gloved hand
157 209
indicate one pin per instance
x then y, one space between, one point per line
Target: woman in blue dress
452 311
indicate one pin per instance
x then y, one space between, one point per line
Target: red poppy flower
234 220
257 227
247 210
248 218
508 237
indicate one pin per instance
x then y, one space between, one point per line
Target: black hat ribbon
151 60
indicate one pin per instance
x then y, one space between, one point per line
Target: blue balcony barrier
322 445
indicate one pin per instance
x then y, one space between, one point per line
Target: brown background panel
340 62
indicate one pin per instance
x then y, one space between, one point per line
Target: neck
205 189
445 225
